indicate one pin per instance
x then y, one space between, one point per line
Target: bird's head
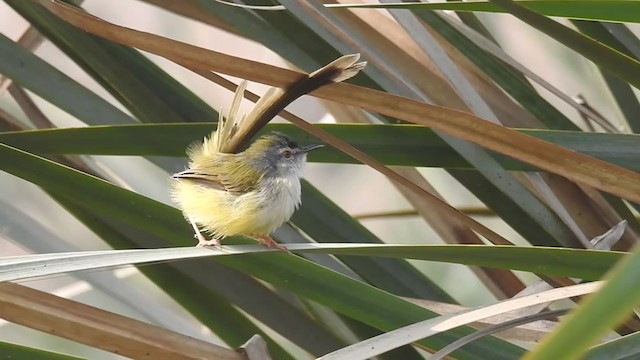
275 154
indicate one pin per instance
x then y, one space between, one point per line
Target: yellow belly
225 214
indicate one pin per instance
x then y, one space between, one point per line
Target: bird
249 193
252 192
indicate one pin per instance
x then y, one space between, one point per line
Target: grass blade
401 145
576 263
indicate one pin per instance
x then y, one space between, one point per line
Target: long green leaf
577 263
366 303
15 351
404 145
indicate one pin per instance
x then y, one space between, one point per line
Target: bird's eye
286 154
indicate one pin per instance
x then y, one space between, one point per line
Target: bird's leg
267 241
201 240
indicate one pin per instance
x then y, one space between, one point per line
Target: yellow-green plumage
250 193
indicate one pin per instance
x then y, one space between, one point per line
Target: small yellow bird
255 191
250 193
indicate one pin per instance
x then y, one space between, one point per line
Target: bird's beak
306 149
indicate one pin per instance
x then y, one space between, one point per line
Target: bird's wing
218 174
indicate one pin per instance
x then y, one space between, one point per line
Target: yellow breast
223 214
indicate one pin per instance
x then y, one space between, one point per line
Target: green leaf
577 263
359 301
404 145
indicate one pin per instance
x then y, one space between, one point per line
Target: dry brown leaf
101 329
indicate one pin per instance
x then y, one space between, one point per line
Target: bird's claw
270 243
202 242
213 242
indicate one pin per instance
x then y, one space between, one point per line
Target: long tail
275 100
234 129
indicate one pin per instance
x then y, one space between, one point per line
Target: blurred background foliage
125 116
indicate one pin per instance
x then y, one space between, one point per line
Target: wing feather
225 172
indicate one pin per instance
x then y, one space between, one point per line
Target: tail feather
233 130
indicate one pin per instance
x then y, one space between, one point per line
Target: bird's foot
202 242
267 241
212 242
